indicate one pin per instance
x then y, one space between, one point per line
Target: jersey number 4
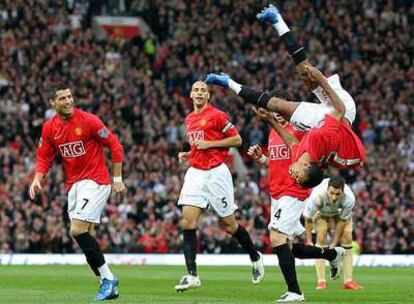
277 214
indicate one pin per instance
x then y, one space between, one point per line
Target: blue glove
269 14
218 79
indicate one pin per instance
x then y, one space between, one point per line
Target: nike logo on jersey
72 149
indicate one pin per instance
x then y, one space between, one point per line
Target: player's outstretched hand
118 188
255 152
269 14
314 74
262 114
218 79
183 157
35 187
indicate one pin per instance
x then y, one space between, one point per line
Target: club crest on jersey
103 132
72 149
203 122
278 152
194 136
78 131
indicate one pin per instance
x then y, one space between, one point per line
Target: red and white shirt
79 141
280 159
333 143
210 124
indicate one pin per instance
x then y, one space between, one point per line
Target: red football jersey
80 143
280 158
332 143
210 124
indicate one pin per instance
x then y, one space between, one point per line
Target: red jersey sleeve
225 125
45 152
323 140
105 136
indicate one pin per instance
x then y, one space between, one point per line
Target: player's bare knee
346 239
230 228
189 223
77 230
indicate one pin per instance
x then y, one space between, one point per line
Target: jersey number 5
223 200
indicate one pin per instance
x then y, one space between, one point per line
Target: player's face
334 194
199 95
298 170
63 103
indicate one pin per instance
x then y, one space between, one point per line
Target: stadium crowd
140 88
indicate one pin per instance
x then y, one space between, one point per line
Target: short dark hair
58 86
338 182
315 176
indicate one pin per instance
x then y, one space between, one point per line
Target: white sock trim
236 87
106 272
280 26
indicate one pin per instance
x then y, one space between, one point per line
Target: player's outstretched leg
287 266
334 256
255 97
349 283
191 280
230 225
109 283
320 273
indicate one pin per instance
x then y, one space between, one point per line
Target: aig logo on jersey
195 135
279 152
72 149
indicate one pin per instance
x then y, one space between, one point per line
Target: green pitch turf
155 284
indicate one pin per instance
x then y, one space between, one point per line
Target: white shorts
308 115
204 188
285 216
87 199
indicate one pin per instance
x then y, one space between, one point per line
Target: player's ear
52 102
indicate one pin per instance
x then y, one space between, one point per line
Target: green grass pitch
155 284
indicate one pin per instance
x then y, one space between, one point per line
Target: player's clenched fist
262 114
314 74
202 144
183 157
255 152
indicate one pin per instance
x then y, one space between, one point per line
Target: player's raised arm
256 153
316 76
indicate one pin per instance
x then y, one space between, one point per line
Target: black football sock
294 48
255 97
93 253
287 265
245 241
189 248
303 251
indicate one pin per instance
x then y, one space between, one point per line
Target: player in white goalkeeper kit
331 204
